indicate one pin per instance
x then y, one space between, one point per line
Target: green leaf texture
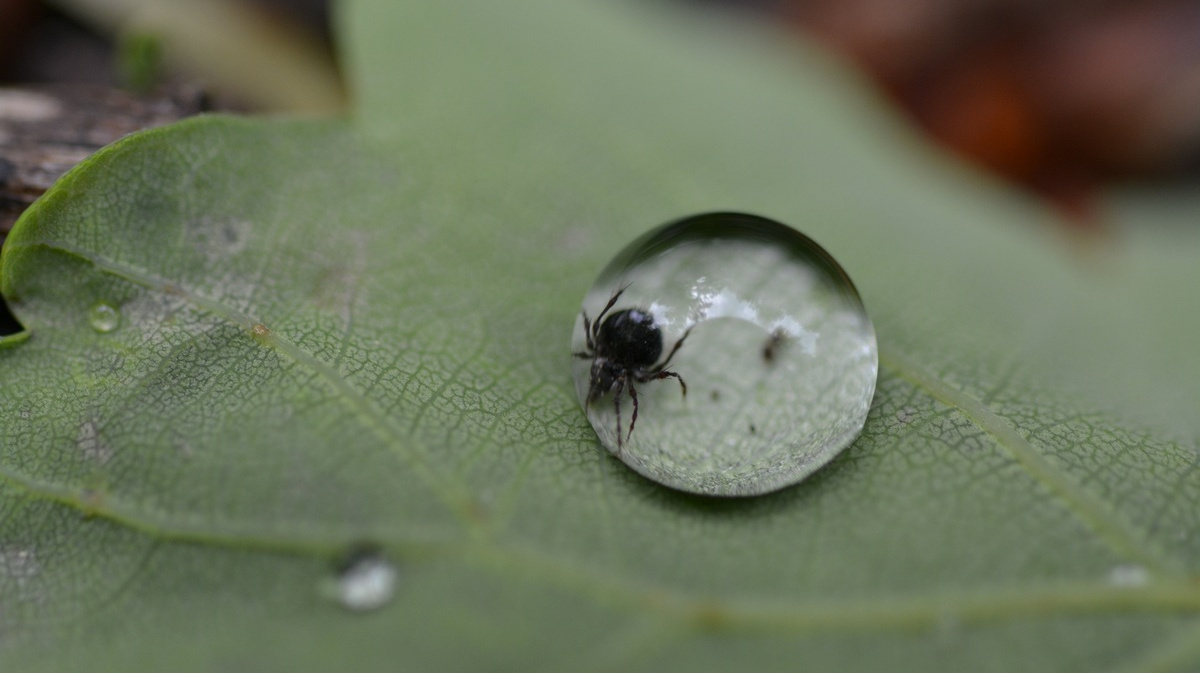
337 333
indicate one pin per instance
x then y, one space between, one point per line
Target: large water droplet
777 353
365 581
104 317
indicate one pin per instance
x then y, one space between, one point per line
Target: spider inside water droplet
733 302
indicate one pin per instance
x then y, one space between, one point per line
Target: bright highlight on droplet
365 581
757 323
104 317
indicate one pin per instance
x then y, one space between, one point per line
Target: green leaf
336 333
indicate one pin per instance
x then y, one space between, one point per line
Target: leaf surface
335 333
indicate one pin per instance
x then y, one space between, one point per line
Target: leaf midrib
843 615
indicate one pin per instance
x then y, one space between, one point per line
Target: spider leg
617 408
670 355
611 300
666 375
587 331
632 421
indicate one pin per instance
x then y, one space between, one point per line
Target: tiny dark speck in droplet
715 395
753 430
771 348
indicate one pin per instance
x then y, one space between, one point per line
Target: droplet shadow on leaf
689 504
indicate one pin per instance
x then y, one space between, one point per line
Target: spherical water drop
365 581
755 319
104 317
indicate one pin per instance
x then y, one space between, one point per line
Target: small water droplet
1129 575
754 309
104 317
365 581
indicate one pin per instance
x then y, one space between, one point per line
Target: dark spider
624 348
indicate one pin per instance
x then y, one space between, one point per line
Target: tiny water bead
365 581
753 315
104 317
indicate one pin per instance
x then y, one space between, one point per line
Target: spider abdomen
629 339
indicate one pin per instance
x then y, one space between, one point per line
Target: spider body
625 348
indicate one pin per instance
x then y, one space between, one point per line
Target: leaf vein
452 494
1121 535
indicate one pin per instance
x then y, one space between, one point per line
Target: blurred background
1062 98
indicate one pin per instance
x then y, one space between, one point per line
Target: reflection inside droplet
737 304
104 317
